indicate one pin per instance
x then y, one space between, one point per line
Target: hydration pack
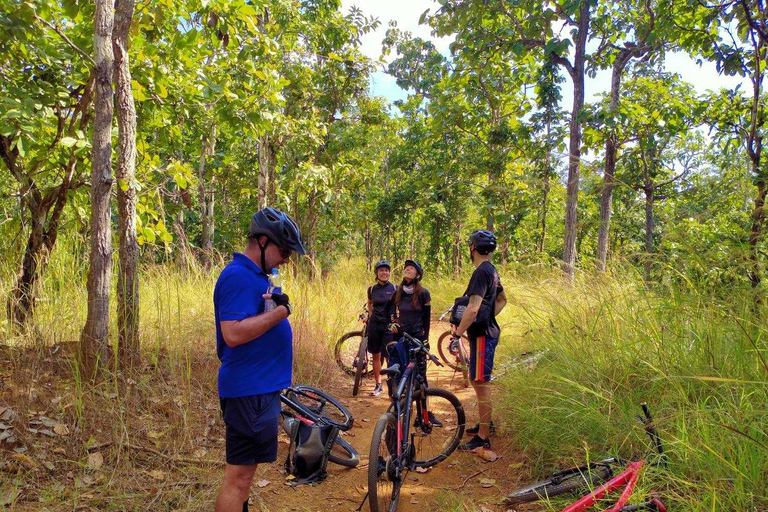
309 449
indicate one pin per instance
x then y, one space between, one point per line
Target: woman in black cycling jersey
379 316
412 306
412 303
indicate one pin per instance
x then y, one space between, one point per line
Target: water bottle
274 287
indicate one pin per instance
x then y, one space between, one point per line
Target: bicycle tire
443 348
565 484
314 404
383 484
344 454
361 362
434 444
346 351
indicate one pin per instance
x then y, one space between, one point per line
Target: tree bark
95 348
265 158
207 196
127 277
758 220
649 197
611 149
574 159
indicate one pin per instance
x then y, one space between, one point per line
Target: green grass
697 357
612 344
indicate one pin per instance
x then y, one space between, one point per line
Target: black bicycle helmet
382 263
483 240
278 227
417 266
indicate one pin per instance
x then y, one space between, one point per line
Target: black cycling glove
281 299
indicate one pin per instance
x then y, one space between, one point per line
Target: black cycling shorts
252 426
378 337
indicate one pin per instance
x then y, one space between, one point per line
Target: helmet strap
263 249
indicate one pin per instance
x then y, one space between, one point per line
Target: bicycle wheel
449 358
590 477
344 454
385 469
347 350
361 362
319 406
434 442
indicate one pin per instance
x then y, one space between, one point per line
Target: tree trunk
545 194
207 197
758 219
611 150
574 159
95 348
127 277
649 192
265 158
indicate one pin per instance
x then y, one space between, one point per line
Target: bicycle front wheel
344 454
347 350
575 481
439 429
454 360
385 469
361 363
319 406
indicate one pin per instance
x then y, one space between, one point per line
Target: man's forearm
238 332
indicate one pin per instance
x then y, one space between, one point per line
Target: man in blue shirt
255 348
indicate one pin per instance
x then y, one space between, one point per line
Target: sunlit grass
698 359
612 344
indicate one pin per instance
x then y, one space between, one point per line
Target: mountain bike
351 352
313 406
596 473
436 416
454 351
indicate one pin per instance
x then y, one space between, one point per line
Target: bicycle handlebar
420 347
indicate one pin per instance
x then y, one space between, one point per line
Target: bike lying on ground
595 473
438 422
312 406
351 352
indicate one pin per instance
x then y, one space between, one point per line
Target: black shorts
378 337
252 425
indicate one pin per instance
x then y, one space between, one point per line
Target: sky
407 12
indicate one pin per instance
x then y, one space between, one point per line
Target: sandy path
345 488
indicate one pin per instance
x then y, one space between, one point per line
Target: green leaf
68 142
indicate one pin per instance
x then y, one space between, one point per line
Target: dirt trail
344 488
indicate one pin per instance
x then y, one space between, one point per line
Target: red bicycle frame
627 479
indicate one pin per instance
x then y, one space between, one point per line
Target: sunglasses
284 252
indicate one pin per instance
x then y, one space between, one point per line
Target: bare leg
376 360
484 406
235 488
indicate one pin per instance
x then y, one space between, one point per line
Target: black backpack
309 449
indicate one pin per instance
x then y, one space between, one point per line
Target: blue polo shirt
264 364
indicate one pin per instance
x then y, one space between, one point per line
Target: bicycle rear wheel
319 406
448 357
344 454
434 442
361 362
590 477
347 350
385 469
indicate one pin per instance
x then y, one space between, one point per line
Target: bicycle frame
627 479
402 397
